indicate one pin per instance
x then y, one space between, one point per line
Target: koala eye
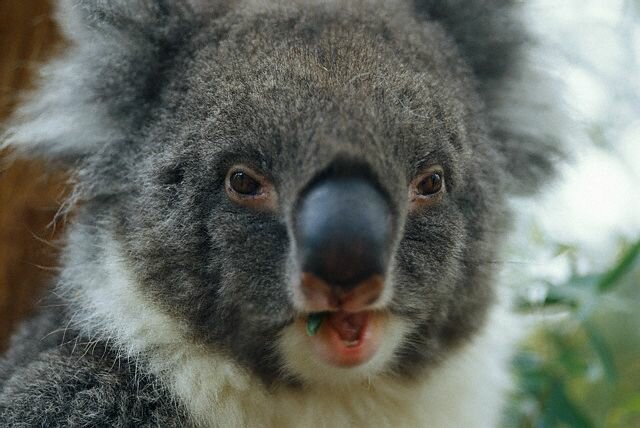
244 184
246 187
431 184
427 188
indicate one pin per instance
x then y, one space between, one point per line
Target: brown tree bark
29 194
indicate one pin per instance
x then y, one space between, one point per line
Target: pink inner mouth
349 326
348 339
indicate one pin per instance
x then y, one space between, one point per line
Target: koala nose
343 230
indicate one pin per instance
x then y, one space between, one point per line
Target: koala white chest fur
286 213
468 389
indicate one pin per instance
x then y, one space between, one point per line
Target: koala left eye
430 185
249 188
427 188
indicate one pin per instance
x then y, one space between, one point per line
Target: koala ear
78 18
488 33
524 113
102 88
528 127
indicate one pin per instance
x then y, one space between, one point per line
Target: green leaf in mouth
314 321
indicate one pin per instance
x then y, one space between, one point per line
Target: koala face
334 167
313 189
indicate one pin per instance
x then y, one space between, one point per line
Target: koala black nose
343 231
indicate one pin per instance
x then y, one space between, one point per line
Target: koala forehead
305 91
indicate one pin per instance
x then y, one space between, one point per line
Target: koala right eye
249 188
244 184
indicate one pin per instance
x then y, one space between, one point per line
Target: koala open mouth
346 339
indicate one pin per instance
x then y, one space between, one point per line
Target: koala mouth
346 339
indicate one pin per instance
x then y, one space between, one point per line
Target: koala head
264 169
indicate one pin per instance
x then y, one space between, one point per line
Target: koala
284 213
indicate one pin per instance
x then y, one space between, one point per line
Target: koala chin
285 213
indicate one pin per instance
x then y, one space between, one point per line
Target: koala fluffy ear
525 118
102 88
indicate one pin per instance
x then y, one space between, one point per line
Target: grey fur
157 99
80 389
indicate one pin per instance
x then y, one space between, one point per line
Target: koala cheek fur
227 157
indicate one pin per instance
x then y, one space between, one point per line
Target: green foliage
581 368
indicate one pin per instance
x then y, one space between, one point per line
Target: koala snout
343 232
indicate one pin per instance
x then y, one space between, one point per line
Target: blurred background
572 262
574 259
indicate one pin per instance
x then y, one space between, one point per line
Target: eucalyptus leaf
314 321
612 278
600 346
